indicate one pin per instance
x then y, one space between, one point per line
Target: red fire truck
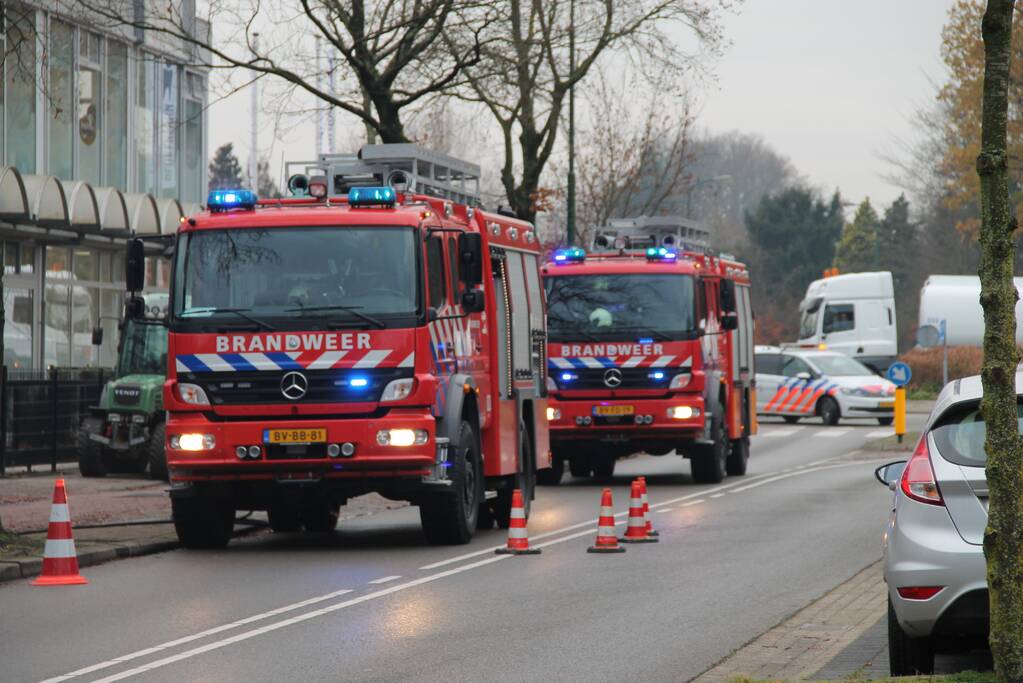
650 348
379 334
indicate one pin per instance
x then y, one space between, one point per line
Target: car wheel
907 656
284 518
791 419
829 411
158 453
203 523
579 466
552 475
91 459
738 457
450 518
708 463
321 518
885 421
604 466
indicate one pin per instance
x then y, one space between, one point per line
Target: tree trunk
1003 538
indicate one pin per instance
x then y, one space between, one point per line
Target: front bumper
305 462
578 419
122 436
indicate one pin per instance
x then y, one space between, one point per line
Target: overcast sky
831 84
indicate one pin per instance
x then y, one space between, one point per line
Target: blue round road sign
899 374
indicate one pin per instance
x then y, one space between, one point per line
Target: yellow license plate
612 411
886 404
297 436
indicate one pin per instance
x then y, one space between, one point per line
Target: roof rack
644 232
407 167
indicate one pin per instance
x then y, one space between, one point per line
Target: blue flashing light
647 340
658 375
225 200
372 196
359 382
567 377
572 255
661 254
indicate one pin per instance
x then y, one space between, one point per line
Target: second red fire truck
650 348
377 335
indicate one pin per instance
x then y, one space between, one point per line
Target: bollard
900 412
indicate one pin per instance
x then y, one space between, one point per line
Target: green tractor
125 432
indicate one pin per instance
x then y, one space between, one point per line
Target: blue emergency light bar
573 255
660 254
372 196
225 200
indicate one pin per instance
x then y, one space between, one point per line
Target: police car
796 383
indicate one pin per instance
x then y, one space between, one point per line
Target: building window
145 125
168 130
60 98
117 114
192 172
20 79
90 107
18 325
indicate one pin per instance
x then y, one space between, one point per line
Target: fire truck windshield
620 307
296 277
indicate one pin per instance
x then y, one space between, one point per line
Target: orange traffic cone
607 541
518 539
650 531
636 531
60 563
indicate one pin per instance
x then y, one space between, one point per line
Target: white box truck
955 300
853 314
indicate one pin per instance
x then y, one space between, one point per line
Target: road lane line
832 433
666 510
794 474
880 434
718 495
385 579
693 502
778 432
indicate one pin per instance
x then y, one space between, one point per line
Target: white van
955 301
853 314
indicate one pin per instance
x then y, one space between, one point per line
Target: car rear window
960 433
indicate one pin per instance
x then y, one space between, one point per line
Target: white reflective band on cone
607 512
518 513
516 532
637 521
605 531
59 513
56 548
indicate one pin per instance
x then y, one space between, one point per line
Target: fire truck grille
323 386
590 379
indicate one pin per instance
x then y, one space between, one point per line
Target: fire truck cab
650 348
379 334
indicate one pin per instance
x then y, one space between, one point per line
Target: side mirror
135 265
134 308
470 259
805 376
473 301
890 474
726 290
730 321
97 336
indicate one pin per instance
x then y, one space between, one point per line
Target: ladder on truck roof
652 231
407 167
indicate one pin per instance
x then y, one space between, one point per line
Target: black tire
158 453
91 458
284 518
791 419
604 467
885 421
708 463
579 466
320 517
738 457
450 518
829 411
524 480
138 459
552 475
907 656
203 523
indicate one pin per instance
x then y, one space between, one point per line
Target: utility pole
331 67
570 218
319 108
254 124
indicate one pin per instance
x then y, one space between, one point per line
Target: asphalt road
373 602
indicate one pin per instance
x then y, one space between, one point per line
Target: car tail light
919 592
918 478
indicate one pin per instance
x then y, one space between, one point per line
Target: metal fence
40 412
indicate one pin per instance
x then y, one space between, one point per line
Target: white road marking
832 433
881 434
794 474
693 502
665 510
778 432
385 579
717 495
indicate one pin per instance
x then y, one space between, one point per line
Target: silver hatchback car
933 545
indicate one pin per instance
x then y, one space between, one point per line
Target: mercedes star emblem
613 378
294 385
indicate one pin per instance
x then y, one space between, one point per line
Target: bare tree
528 68
392 48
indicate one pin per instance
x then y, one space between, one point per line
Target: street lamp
705 181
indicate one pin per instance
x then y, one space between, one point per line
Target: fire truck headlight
192 442
403 437
680 381
553 414
683 412
398 389
193 394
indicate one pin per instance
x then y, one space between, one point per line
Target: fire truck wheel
91 459
284 518
321 518
829 411
525 481
203 523
158 454
708 462
451 518
579 466
790 419
553 474
738 457
604 466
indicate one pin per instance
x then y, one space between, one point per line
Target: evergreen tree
897 242
266 187
225 171
858 250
